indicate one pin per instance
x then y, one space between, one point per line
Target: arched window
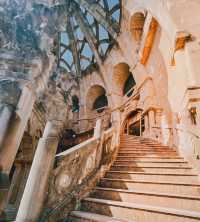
128 86
137 25
75 104
96 99
100 103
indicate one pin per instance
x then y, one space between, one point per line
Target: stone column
6 111
9 97
116 123
151 121
98 129
158 124
158 117
146 122
16 128
37 183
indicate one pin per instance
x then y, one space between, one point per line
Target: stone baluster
36 186
98 129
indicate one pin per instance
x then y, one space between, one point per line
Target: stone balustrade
77 172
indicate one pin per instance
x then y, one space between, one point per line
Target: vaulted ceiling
91 30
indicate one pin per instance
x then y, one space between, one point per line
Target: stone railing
77 171
129 94
86 124
186 141
189 143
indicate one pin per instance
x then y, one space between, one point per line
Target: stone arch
136 25
121 76
160 13
94 94
132 118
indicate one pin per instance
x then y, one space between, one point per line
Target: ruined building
100 110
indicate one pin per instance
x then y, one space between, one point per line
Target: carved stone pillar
5 116
9 96
36 186
151 121
158 117
146 122
16 129
17 97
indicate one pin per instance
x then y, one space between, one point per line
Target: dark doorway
134 129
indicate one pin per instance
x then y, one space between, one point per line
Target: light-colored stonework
158 44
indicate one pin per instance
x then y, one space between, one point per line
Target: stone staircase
148 182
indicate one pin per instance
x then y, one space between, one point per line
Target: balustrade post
37 183
98 129
151 121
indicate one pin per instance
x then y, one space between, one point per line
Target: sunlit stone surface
99 110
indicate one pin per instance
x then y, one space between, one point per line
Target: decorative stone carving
63 181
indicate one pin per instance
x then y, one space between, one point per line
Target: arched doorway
134 123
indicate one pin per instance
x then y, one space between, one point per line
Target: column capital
52 129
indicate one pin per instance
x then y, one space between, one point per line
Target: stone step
131 143
149 154
172 177
151 164
138 212
144 149
186 202
153 186
80 216
171 152
146 158
150 169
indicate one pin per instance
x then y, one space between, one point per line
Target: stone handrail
86 124
191 143
132 89
110 111
77 171
179 129
188 132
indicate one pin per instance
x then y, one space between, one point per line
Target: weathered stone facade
158 45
